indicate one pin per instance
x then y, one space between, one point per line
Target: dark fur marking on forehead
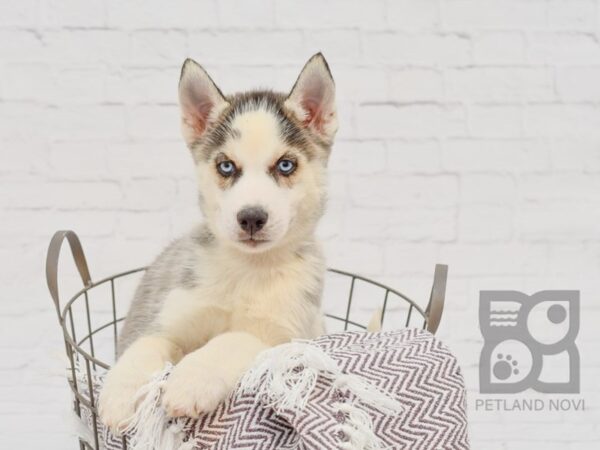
291 130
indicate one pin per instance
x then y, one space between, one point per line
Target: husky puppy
249 277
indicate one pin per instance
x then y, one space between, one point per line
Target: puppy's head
260 156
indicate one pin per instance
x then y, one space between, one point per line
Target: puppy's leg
134 368
205 378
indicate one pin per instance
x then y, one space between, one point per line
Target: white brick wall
470 135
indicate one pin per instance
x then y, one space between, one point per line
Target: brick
146 14
416 85
73 13
331 225
26 321
337 188
499 47
430 224
19 158
495 121
76 123
492 14
494 259
62 195
233 77
557 221
246 14
153 121
79 86
487 189
572 14
359 84
411 120
578 83
576 155
362 157
563 48
413 156
346 112
408 15
158 47
562 120
549 187
68 162
573 260
280 46
17 120
28 223
500 84
337 45
148 194
485 223
143 85
555 437
144 224
410 259
18 14
423 49
409 191
495 155
150 158
331 14
360 257
28 82
20 46
87 46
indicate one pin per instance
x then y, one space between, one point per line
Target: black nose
252 219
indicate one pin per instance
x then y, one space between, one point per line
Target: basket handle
435 307
52 263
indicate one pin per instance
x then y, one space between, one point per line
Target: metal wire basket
90 318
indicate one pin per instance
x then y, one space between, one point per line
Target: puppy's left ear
200 100
312 99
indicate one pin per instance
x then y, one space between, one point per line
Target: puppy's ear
200 100
312 99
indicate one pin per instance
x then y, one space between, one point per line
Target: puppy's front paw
193 389
117 402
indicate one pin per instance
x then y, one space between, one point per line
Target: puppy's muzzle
252 219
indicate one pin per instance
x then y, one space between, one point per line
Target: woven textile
410 366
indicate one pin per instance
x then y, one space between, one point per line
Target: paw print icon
529 341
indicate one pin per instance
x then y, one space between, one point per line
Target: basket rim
431 316
77 346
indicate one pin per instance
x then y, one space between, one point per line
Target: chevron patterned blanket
389 390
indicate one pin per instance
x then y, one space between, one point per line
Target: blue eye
226 168
286 166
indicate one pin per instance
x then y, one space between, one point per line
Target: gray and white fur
250 276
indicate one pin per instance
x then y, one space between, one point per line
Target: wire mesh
83 340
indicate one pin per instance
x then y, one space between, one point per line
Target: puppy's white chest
266 298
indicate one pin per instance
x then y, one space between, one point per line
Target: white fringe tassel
151 428
285 376
358 429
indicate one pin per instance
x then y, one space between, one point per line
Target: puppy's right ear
200 100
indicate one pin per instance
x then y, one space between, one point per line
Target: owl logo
529 342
